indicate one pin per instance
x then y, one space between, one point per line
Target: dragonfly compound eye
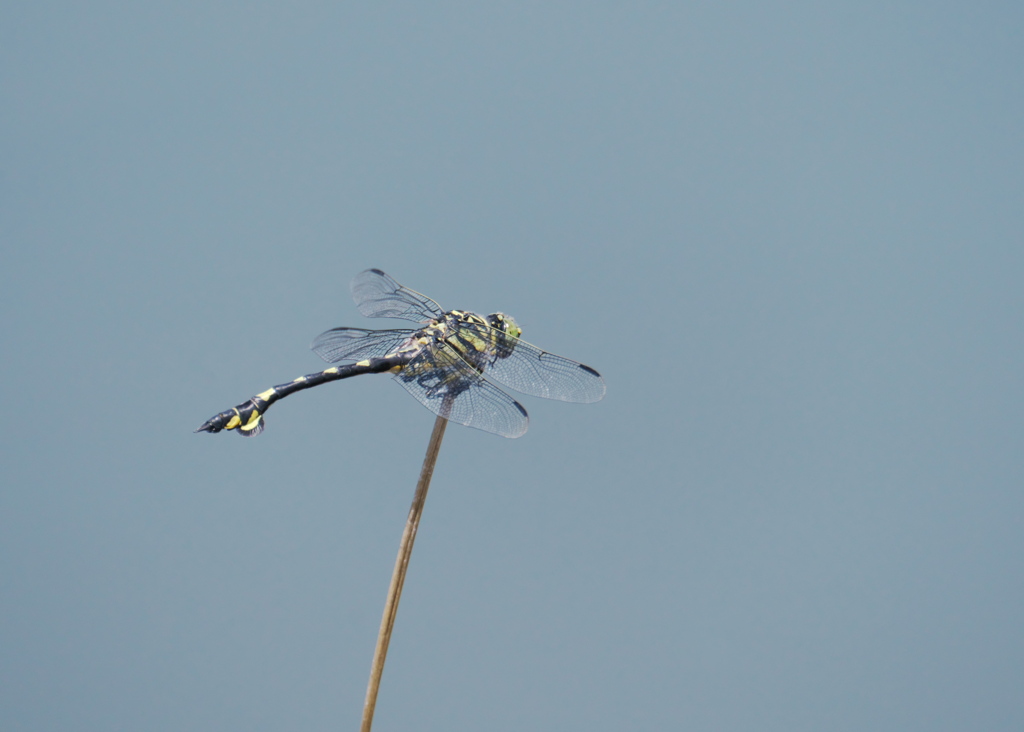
505 323
509 333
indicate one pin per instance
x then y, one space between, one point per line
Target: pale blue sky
789 236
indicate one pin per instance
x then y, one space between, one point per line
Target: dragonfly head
504 323
509 329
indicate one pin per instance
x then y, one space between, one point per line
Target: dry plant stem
387 622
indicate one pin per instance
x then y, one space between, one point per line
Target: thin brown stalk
387 622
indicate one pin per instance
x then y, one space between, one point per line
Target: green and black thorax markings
445 364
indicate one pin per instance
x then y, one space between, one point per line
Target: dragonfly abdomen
248 417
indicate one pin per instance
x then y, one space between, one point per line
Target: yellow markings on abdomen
253 422
266 394
233 422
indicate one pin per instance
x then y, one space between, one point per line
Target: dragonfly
448 363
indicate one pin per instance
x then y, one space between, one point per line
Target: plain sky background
790 236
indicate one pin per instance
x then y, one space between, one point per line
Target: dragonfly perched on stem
447 364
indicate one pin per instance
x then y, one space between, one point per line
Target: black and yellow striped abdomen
248 417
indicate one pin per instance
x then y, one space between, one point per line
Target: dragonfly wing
527 369
343 344
449 387
377 295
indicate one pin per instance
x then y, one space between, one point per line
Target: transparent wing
449 387
377 295
342 344
524 367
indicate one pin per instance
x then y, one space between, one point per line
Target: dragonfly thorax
477 339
